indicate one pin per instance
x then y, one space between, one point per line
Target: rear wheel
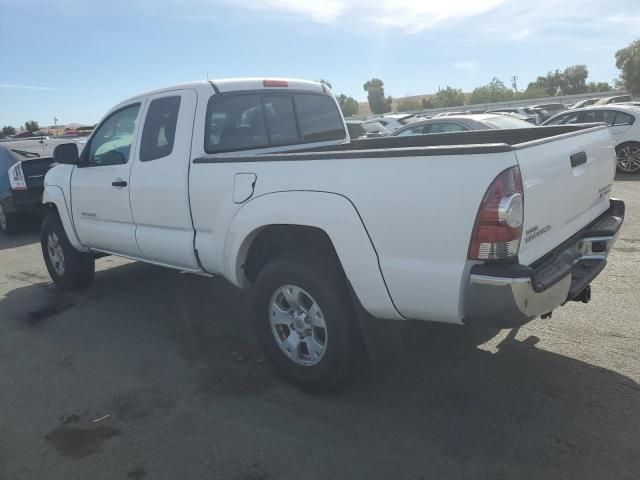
8 222
302 315
628 158
69 269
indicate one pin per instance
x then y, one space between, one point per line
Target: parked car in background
584 103
366 129
24 135
393 121
632 104
531 115
462 123
551 109
23 165
614 99
448 114
624 126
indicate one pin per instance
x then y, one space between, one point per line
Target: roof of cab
225 85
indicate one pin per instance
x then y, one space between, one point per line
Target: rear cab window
159 129
260 120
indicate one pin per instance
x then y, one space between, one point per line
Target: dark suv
23 165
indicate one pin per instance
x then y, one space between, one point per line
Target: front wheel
302 314
69 269
628 158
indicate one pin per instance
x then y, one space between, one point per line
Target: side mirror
67 154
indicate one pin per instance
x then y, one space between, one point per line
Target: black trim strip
353 154
215 87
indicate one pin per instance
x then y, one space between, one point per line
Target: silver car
462 123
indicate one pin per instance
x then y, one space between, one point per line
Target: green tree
375 95
531 93
628 61
494 91
572 80
447 97
348 105
596 87
8 130
427 103
408 104
31 126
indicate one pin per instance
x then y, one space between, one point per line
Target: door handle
119 183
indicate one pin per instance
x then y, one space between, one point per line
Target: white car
624 125
394 121
255 180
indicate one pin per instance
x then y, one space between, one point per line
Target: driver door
100 185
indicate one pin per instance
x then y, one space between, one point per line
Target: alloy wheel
298 325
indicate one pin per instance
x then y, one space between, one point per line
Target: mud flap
382 339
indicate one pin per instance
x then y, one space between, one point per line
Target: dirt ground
153 374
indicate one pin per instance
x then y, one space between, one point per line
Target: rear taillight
16 177
498 227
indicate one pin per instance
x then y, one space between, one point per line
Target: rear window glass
319 118
281 121
235 123
159 128
244 122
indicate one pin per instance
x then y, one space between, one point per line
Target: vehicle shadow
627 177
446 409
27 235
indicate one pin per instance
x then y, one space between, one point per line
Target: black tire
627 161
324 281
8 222
77 267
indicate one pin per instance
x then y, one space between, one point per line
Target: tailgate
567 180
35 170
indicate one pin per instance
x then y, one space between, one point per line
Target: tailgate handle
578 159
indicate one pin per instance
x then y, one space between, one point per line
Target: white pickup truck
257 181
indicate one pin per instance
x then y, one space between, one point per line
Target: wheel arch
53 197
329 222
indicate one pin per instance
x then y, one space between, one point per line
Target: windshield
505 122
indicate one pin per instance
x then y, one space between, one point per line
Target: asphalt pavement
154 374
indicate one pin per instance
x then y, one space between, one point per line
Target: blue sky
74 59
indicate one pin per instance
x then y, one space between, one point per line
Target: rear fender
332 213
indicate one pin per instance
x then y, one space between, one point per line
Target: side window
587 117
606 116
446 127
111 143
235 123
559 120
281 121
318 118
419 130
623 119
159 129
571 119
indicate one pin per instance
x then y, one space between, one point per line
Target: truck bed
480 141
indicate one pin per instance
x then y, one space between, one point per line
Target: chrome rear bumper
509 295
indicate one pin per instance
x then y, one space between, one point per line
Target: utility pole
514 83
55 125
